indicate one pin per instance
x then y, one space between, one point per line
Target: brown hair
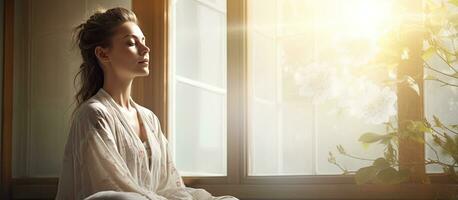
96 31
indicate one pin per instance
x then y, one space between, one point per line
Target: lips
143 61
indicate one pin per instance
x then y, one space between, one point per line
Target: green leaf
430 77
413 84
419 127
449 147
331 158
365 174
428 53
381 163
437 122
341 149
453 18
437 140
387 175
453 2
450 171
455 75
390 153
449 57
414 136
454 126
391 176
370 137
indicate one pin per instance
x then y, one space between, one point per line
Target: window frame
7 102
238 183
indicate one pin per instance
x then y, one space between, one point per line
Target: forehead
129 29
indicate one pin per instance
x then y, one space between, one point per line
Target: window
282 37
198 86
293 127
294 80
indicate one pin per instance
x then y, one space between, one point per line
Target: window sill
46 188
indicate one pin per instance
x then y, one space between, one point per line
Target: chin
141 73
144 73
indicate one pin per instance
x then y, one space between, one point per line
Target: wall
45 64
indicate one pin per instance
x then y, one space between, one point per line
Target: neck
119 90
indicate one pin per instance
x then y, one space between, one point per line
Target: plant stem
444 136
340 167
443 59
434 150
431 68
439 163
359 158
445 83
439 133
452 131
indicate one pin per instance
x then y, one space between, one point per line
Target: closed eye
136 38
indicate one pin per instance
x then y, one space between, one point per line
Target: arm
97 158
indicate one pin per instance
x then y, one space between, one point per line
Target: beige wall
45 63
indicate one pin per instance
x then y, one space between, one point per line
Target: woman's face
128 56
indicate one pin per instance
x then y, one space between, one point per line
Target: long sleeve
97 165
104 158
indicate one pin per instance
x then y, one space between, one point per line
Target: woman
116 149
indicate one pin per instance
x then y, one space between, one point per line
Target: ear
102 54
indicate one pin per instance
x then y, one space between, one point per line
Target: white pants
113 195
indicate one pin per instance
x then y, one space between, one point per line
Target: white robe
103 153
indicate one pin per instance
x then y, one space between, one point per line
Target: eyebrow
131 35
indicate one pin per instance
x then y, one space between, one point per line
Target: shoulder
89 118
92 110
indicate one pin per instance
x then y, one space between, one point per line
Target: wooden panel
236 91
410 104
7 109
151 91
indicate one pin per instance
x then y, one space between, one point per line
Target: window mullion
236 91
410 104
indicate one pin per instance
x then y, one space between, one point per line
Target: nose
145 49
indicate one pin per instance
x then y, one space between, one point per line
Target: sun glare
335 43
365 18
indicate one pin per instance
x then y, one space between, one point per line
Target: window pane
441 100
200 130
198 97
200 41
311 86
